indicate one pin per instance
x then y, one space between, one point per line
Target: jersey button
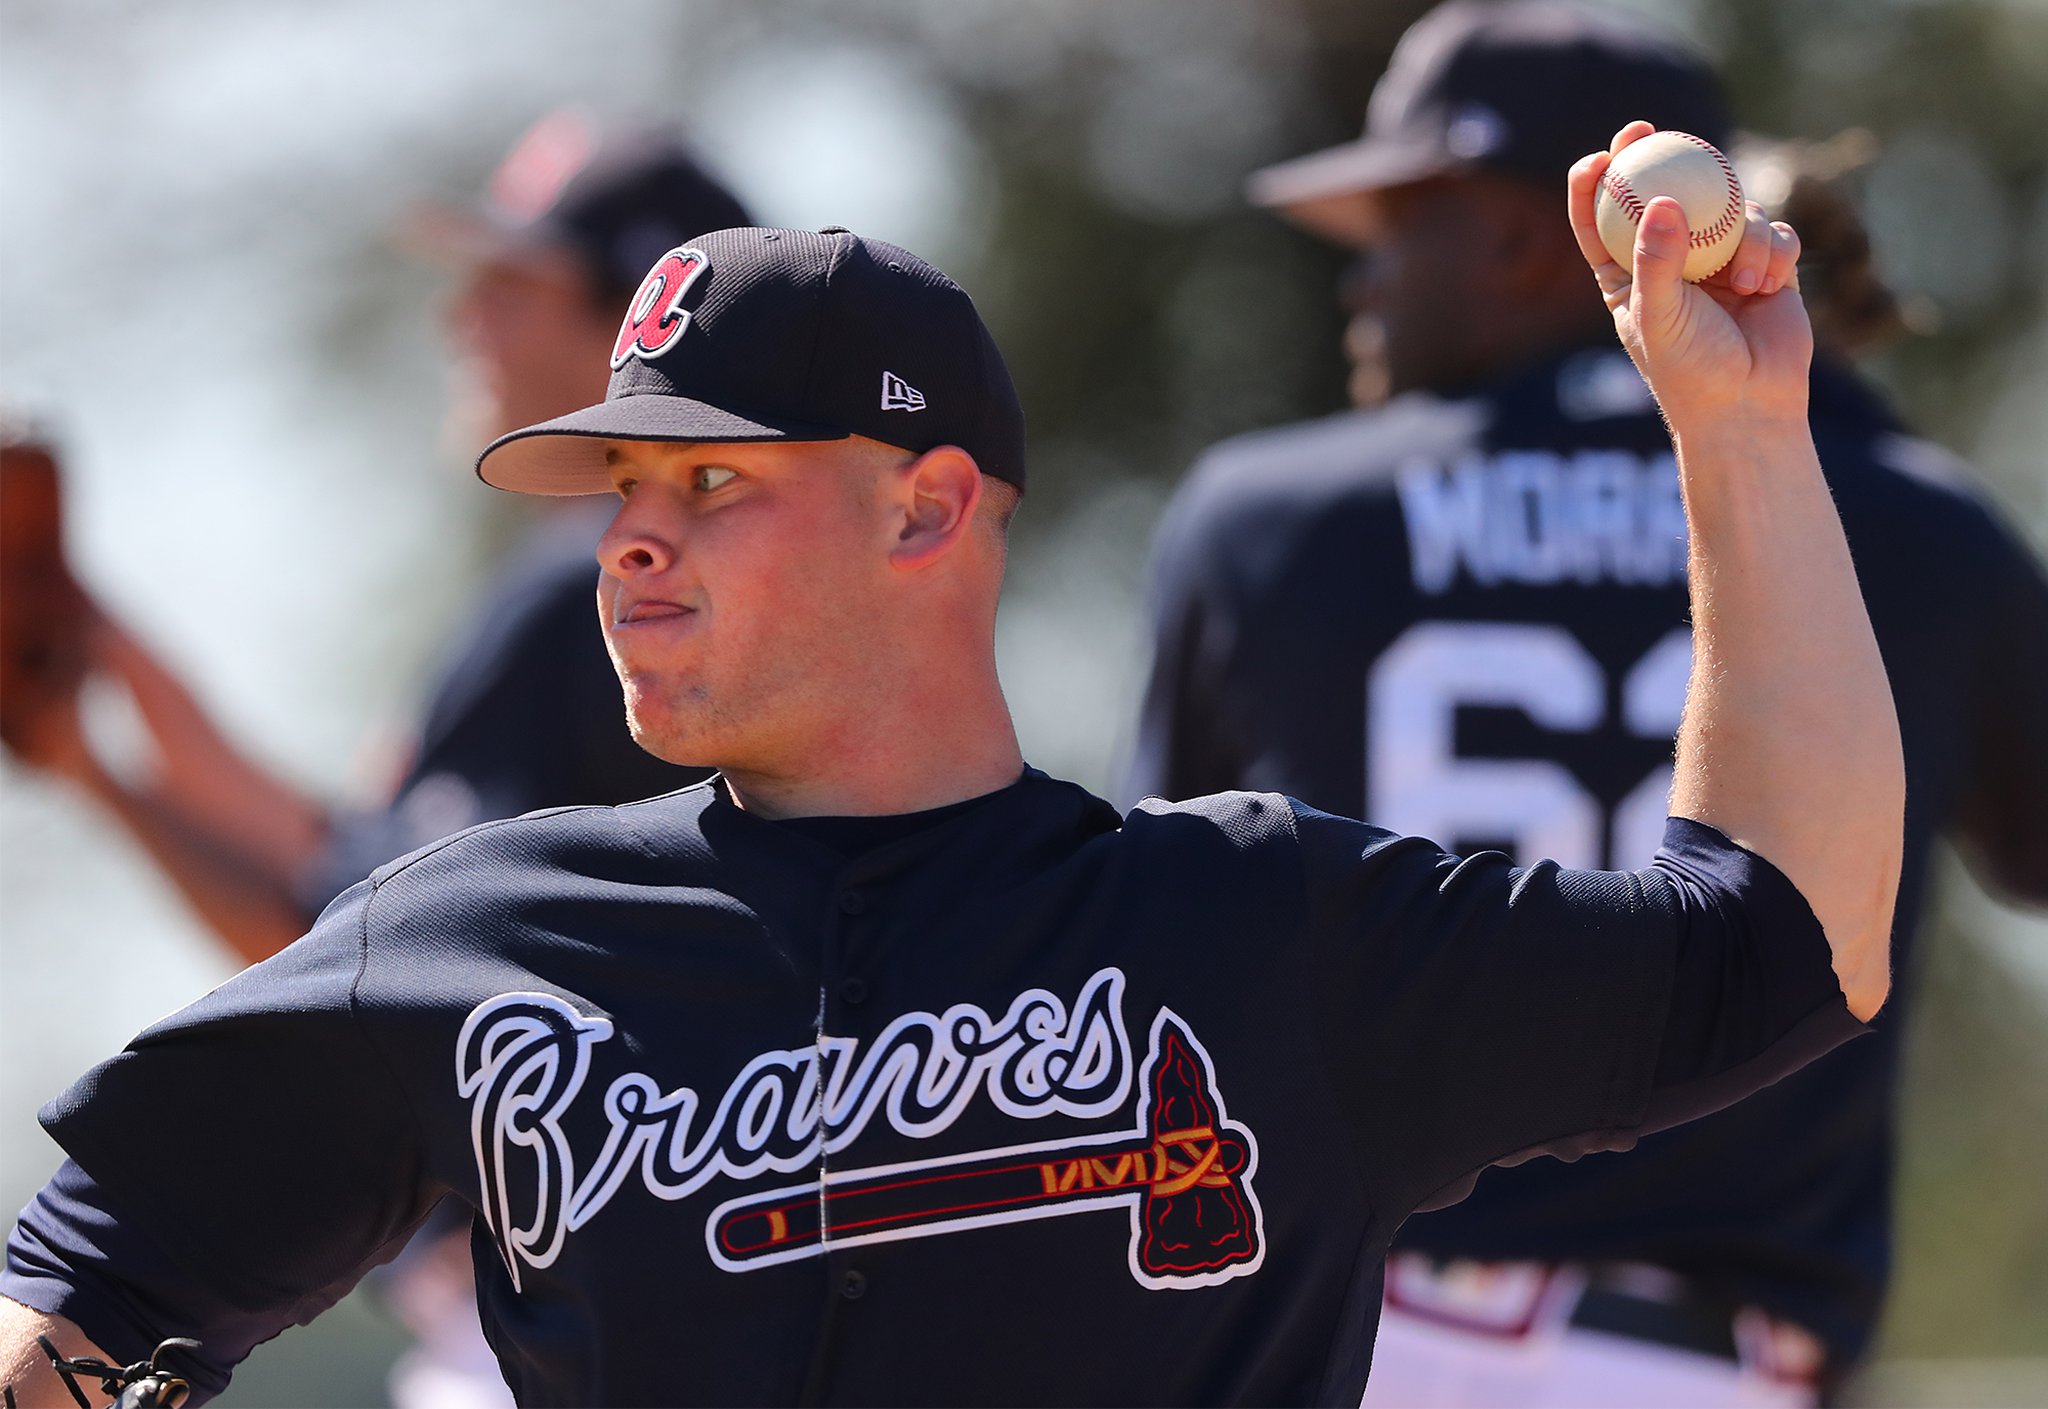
854 991
853 1286
851 902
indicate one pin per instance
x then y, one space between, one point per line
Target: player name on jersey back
1541 518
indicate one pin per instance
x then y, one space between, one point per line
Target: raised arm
231 837
1789 744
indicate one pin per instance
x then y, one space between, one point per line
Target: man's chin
668 739
665 746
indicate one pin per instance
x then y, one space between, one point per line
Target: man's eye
712 476
624 487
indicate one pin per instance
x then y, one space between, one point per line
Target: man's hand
41 717
44 615
1729 344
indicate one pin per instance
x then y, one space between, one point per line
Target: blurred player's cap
784 335
1520 88
612 198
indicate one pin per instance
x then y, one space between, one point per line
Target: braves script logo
1183 1170
655 318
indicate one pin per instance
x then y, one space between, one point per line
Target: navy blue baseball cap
611 196
1523 88
784 335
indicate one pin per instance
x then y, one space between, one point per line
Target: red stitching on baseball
1733 213
1632 204
1624 196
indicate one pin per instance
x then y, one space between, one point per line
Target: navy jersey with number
1465 617
1027 1103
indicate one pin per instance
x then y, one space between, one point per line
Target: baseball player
1463 614
527 714
885 1068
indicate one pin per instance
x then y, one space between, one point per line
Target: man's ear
938 493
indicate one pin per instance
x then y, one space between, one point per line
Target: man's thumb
1661 247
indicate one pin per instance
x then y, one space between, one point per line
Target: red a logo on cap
655 318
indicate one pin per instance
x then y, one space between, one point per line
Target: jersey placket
849 923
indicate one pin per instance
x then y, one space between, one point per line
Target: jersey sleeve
255 1142
1484 1013
2001 818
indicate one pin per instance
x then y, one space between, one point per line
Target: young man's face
744 596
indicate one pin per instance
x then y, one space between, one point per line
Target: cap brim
566 455
1320 192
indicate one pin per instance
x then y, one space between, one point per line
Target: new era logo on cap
899 395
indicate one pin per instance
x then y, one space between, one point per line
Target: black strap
1703 1325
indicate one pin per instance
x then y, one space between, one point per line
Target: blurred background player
526 713
1461 613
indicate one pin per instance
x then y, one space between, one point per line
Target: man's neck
907 754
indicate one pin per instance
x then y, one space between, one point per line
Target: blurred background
200 287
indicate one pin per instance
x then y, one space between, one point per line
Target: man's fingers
1634 132
1765 261
1746 268
1661 247
1580 188
1783 269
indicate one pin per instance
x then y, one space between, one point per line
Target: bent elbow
1863 963
1865 996
1863 966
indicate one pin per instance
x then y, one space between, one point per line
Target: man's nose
634 545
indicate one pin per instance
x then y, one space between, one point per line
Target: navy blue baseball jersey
1465 617
527 715
1017 1101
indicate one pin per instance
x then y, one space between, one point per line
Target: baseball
1693 172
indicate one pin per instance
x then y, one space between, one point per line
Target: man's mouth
650 611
